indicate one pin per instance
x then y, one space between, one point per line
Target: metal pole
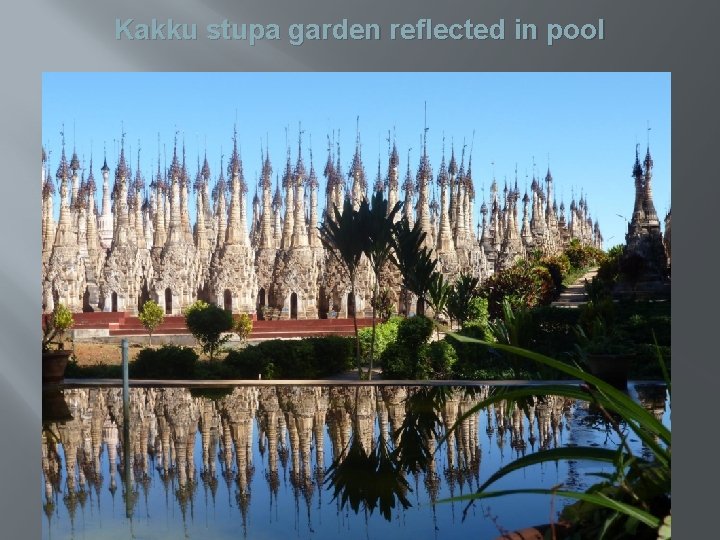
126 432
126 382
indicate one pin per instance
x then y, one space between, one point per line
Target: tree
415 262
438 295
151 316
377 229
207 323
343 235
243 326
460 299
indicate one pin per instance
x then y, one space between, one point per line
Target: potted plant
606 353
54 354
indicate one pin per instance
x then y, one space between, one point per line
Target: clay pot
53 366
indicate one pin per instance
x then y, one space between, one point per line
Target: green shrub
442 357
95 371
385 333
307 358
414 331
331 354
582 256
207 323
407 358
522 285
478 312
167 362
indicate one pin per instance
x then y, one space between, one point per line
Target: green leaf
596 499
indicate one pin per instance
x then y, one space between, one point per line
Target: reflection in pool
303 461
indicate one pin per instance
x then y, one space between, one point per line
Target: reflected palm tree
369 480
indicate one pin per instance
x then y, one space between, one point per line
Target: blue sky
585 125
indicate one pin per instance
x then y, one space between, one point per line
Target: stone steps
574 295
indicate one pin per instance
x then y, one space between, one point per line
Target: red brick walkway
121 324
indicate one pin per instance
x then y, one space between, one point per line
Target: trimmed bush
207 323
167 362
308 358
407 358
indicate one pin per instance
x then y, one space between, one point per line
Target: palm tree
415 262
378 227
461 297
438 295
344 237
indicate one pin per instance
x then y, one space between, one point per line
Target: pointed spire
637 168
379 186
452 167
442 178
175 171
357 171
312 178
267 170
63 170
394 157
648 160
235 165
205 171
299 165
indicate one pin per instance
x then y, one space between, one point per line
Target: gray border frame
642 35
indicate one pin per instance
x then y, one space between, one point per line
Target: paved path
574 295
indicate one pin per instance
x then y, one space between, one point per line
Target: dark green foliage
609 269
368 480
415 262
464 290
438 294
632 267
167 362
558 267
378 222
308 358
407 358
442 357
214 394
208 323
632 500
478 312
97 371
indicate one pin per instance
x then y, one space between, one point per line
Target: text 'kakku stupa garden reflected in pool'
304 461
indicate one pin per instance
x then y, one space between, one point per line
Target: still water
315 462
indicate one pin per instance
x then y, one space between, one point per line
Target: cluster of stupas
288 426
141 244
